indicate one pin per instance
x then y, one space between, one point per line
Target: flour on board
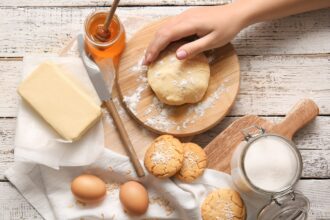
133 100
159 114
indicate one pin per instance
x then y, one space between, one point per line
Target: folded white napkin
36 141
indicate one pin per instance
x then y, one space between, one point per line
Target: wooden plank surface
14 207
270 85
10 76
281 61
24 3
43 29
314 145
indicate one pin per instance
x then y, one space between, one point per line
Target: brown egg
88 188
134 198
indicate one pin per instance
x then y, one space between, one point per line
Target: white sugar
158 158
228 211
190 159
271 164
162 153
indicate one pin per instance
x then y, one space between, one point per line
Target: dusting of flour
159 114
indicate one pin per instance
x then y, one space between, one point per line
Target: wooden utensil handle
300 115
124 137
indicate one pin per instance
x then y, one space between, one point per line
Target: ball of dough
164 157
223 204
177 82
194 163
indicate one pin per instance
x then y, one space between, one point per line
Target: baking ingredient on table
194 163
52 93
104 48
164 157
223 204
134 198
271 164
88 188
176 82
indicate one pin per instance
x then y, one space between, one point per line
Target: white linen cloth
36 141
48 190
45 166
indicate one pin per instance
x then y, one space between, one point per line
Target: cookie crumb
164 203
112 187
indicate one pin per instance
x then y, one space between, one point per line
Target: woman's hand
215 26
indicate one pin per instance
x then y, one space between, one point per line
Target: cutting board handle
300 115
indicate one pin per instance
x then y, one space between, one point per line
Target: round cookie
176 82
194 163
164 157
223 204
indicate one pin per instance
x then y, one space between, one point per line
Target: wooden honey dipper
103 33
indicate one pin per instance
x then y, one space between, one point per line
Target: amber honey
111 48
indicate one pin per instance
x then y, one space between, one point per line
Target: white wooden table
281 62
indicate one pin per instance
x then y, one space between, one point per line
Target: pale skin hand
215 26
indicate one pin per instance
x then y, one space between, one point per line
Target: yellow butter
59 101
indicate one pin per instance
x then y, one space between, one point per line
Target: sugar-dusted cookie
223 204
164 157
194 163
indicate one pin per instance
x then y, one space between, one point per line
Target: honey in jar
113 46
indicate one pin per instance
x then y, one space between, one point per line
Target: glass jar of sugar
268 166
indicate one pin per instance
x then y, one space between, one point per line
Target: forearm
262 10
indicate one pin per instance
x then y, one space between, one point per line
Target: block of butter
59 101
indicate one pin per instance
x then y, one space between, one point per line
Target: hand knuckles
163 33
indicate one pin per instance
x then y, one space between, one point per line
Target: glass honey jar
111 48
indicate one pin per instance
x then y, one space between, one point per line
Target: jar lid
290 206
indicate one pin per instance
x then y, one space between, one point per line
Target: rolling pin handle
125 138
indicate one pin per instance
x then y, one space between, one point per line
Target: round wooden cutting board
185 120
